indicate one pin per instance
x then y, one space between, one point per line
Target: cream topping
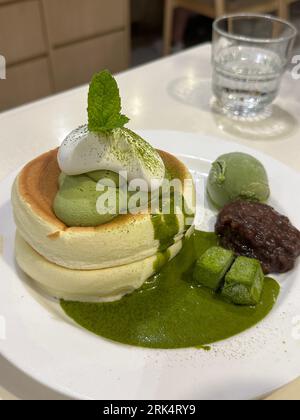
118 151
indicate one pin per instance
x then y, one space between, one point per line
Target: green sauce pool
170 311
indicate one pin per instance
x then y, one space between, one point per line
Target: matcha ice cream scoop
237 176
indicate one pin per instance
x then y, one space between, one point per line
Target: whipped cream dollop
120 150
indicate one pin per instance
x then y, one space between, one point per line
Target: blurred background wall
54 45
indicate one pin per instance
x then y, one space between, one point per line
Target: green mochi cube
211 268
244 282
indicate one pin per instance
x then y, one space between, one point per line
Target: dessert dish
69 246
105 224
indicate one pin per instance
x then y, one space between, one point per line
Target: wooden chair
215 8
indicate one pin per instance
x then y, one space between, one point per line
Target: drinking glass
250 55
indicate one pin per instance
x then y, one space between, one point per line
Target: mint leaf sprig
104 104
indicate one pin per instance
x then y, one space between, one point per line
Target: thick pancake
90 285
127 239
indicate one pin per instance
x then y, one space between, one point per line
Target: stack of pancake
87 263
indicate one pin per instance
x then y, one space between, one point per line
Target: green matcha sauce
166 227
170 311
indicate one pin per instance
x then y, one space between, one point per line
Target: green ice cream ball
76 202
237 176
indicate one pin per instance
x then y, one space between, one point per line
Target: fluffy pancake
125 240
87 285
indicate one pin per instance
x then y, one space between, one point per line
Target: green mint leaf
104 104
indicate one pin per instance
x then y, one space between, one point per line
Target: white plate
42 342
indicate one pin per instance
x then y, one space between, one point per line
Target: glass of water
250 55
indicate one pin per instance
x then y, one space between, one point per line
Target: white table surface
172 93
